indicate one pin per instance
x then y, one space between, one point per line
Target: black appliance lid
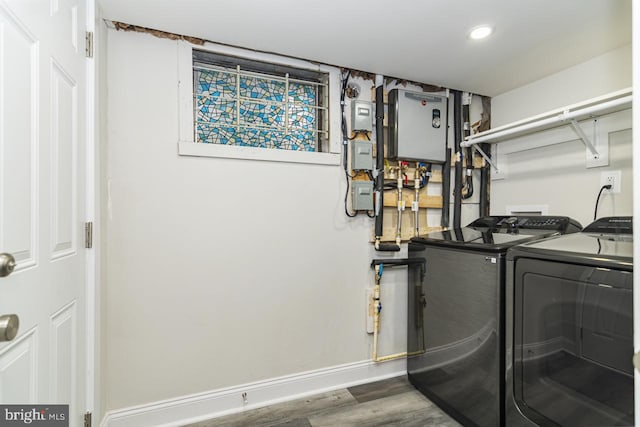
471 239
499 233
606 250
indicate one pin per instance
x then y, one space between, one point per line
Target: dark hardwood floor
392 402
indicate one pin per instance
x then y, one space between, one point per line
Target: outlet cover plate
614 178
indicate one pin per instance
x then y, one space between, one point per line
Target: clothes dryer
569 328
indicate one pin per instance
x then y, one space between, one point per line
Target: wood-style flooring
393 402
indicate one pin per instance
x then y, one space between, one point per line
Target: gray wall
555 175
219 272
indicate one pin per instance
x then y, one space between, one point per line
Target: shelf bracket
597 147
585 139
485 157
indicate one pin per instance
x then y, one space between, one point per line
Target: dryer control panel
611 225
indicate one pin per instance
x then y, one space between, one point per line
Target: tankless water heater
417 126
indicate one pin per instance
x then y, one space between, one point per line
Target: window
241 104
254 104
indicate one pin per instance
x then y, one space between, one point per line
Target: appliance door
573 344
454 332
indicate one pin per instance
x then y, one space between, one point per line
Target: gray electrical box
361 116
362 195
361 155
417 126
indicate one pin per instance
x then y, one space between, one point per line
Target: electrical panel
361 155
361 116
362 195
417 126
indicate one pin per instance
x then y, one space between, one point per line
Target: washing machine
569 328
456 312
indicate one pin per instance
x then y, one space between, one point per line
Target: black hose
392 186
457 139
401 262
388 247
468 177
485 172
346 196
485 176
468 183
446 190
343 128
379 159
343 124
429 169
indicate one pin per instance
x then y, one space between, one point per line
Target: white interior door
42 192
636 201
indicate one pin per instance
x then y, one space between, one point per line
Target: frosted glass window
243 106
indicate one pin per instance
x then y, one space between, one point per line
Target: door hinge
88 49
87 419
88 235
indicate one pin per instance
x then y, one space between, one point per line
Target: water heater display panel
417 126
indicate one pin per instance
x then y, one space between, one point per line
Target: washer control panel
563 224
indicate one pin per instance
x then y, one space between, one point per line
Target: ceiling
424 41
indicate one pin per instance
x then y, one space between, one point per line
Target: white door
636 202
42 193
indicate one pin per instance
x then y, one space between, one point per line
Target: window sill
186 148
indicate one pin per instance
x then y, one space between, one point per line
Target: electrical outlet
613 178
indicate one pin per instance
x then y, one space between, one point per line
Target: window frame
187 146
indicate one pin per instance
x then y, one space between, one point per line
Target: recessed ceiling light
480 32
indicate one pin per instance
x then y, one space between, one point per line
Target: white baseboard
216 403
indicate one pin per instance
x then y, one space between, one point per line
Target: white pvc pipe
557 119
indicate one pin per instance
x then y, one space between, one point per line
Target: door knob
9 324
7 264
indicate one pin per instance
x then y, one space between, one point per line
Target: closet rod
558 119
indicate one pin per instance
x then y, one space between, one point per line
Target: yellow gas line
376 326
397 356
390 357
376 313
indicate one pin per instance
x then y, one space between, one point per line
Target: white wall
220 271
556 175
597 76
636 205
